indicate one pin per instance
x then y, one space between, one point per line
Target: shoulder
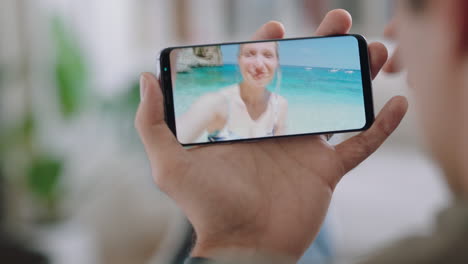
282 102
411 250
445 245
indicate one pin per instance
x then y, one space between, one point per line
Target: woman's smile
258 75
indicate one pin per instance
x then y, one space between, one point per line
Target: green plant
39 171
43 181
70 69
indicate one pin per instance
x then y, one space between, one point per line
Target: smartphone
253 90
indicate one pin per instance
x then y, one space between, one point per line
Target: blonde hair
241 46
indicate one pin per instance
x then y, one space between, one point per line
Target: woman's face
258 63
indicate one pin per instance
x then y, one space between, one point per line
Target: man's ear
457 17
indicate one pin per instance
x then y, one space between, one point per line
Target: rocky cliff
199 57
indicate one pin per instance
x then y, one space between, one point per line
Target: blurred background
75 185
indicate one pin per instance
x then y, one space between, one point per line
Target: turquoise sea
320 99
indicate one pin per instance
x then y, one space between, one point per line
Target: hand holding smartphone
263 89
234 186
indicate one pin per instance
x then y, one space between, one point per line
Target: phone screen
253 90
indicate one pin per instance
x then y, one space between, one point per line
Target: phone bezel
166 87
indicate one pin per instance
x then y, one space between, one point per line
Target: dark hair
417 6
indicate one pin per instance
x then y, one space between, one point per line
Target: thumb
160 143
358 148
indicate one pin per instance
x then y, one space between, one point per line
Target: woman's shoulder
281 100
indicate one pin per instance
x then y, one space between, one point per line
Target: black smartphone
262 89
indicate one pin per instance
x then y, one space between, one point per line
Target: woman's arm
202 114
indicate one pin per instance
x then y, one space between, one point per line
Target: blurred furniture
12 252
15 253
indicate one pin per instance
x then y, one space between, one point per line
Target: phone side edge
366 75
165 81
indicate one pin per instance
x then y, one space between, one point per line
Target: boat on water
334 70
349 72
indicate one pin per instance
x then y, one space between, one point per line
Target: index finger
358 148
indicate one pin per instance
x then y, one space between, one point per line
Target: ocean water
320 99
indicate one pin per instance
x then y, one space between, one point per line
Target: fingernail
142 87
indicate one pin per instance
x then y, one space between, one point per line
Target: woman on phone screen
243 110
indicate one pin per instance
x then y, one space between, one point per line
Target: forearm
191 127
188 133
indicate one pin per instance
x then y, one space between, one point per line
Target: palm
265 184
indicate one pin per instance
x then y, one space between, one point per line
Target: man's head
434 40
